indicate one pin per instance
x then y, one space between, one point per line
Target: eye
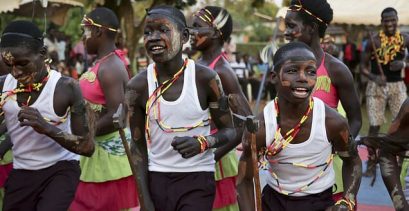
311 71
164 29
292 70
147 32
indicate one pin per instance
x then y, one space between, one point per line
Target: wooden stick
256 177
119 120
376 56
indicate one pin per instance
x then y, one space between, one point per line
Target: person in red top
211 27
306 21
106 178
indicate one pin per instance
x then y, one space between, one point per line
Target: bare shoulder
224 70
203 73
338 71
110 68
139 82
67 84
334 122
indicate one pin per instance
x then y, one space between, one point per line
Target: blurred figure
329 46
386 49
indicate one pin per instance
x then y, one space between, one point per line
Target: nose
302 76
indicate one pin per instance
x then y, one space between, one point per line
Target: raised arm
345 147
81 140
135 95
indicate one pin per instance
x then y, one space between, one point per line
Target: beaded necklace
34 87
154 102
390 46
278 144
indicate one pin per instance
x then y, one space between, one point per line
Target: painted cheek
285 83
87 33
311 82
200 40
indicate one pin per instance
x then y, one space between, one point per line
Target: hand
380 80
186 146
31 117
397 65
339 207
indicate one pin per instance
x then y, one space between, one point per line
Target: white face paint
87 33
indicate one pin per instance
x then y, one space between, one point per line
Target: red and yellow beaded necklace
154 102
278 144
34 87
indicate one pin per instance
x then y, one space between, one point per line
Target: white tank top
314 151
185 111
31 150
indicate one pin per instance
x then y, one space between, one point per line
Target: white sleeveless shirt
314 151
31 150
185 111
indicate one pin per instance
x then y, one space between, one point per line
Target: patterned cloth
393 95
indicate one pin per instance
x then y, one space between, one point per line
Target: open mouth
156 49
300 92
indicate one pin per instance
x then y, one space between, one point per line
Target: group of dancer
186 119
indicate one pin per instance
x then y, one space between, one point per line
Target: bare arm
81 141
237 103
113 78
135 92
347 93
345 147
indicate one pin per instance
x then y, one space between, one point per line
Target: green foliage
256 28
251 48
72 24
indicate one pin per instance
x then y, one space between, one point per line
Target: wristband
349 203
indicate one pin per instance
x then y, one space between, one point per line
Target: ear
274 77
43 51
97 31
313 28
185 36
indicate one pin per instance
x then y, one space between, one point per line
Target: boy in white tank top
47 123
170 107
296 138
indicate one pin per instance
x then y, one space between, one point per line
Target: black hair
319 8
171 13
228 26
22 33
107 18
388 9
281 54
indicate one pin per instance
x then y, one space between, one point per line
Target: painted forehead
293 15
160 20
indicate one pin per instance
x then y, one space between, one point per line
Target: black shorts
275 201
52 188
193 191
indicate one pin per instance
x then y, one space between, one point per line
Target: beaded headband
298 7
86 21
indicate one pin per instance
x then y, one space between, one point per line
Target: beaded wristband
347 202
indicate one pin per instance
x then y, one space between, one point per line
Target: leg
21 191
158 187
271 200
60 186
376 103
390 176
197 189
